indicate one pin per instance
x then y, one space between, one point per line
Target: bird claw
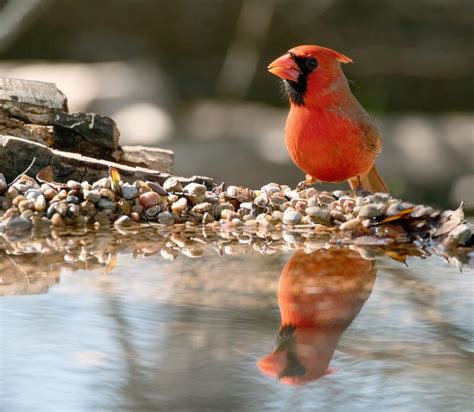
309 181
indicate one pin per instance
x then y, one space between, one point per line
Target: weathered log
87 133
16 155
35 133
32 93
148 157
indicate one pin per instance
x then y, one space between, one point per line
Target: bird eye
311 63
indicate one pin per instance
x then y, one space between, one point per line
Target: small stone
460 234
18 200
19 223
421 211
124 206
27 214
291 217
3 184
137 209
102 217
149 199
33 193
104 182
371 210
261 200
152 212
92 196
73 185
156 187
106 204
25 183
40 221
202 207
325 199
40 203
88 208
271 188
72 211
49 193
11 193
180 205
320 215
107 193
123 221
57 220
129 191
196 193
73 199
172 184
350 224
26 205
135 216
165 218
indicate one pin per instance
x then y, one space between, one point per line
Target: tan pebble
173 198
350 224
57 220
40 203
18 199
135 216
49 193
11 193
202 207
107 193
169 253
180 206
26 205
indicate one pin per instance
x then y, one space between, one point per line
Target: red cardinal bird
328 133
319 295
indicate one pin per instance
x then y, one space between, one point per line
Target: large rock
16 155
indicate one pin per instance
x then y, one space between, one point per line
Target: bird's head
309 72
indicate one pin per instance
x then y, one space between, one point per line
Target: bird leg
309 181
356 185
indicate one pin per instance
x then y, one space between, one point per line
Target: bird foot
309 181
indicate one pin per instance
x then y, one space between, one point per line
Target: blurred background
190 76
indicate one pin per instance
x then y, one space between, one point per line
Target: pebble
156 187
202 207
129 191
25 183
73 199
106 204
107 193
152 212
124 206
172 184
149 199
93 196
180 205
460 234
57 220
123 221
261 200
320 215
371 210
196 193
73 185
350 224
291 217
3 184
40 203
165 218
19 223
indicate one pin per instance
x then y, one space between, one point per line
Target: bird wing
371 138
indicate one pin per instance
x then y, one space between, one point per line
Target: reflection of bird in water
319 294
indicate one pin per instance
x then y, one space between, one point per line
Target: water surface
327 330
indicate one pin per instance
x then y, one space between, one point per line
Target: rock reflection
319 295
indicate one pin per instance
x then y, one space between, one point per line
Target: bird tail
372 182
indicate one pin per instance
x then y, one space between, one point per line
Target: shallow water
199 334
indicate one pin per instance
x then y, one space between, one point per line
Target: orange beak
285 67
